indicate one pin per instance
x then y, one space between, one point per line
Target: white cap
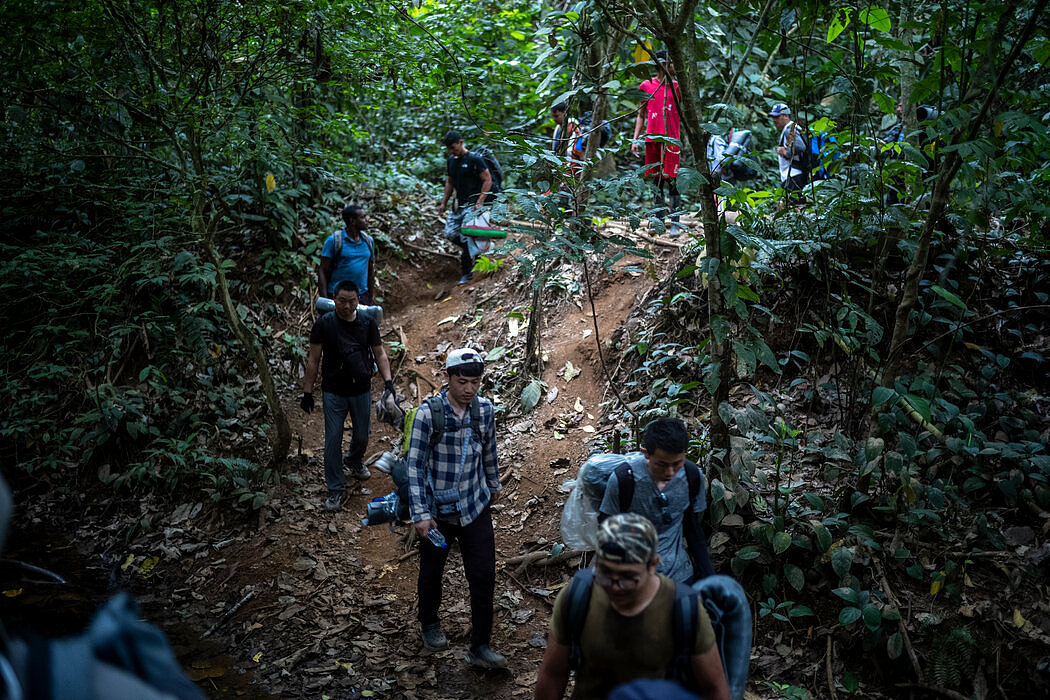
463 356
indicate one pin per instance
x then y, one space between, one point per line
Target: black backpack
337 244
585 132
683 623
492 163
625 480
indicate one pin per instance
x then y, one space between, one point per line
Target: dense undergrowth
895 501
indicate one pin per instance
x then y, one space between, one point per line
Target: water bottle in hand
437 538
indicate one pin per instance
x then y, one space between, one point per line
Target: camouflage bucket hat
627 538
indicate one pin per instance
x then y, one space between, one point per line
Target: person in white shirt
792 149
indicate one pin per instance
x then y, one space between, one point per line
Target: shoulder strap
692 475
337 244
625 481
370 243
437 420
683 623
475 419
578 603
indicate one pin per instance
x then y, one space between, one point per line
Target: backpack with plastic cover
119 656
585 131
579 519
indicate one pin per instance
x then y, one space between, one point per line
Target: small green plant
784 691
784 611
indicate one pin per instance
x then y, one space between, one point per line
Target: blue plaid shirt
474 473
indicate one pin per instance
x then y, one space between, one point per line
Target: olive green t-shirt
617 649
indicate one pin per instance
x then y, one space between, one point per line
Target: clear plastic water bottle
437 538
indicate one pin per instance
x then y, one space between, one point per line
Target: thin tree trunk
941 193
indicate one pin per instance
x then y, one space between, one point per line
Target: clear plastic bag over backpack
579 519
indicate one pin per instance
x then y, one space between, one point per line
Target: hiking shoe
358 471
467 278
434 639
335 500
485 657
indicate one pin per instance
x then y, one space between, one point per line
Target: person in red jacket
658 115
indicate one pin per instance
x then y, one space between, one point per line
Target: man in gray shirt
670 493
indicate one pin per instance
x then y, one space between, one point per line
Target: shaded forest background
170 171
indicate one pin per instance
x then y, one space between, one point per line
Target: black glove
307 402
388 385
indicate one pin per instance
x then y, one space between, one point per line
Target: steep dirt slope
333 609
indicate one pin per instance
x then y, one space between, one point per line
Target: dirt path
333 605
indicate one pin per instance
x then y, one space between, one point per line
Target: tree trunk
282 437
942 190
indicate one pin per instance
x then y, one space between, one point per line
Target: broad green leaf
849 615
881 395
876 18
838 23
799 611
530 395
945 294
781 542
848 594
496 353
872 617
823 537
895 645
841 560
921 405
795 576
885 103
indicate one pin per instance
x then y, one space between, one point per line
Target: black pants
676 199
795 188
477 544
466 263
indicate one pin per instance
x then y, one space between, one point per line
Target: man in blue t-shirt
661 494
355 260
469 176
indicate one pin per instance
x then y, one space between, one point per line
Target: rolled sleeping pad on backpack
324 305
726 605
483 232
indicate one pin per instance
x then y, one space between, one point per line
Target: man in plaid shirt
450 490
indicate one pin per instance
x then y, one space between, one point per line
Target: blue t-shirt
666 512
352 263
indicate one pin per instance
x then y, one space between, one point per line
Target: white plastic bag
579 522
579 519
477 218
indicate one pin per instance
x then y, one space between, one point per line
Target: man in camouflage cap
626 633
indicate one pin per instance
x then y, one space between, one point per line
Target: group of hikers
650 548
615 625
626 620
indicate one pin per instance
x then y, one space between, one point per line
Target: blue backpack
819 143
